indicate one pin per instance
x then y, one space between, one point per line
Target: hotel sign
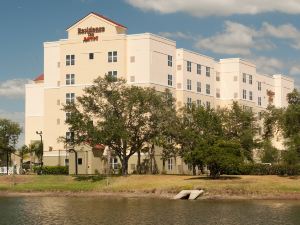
90 31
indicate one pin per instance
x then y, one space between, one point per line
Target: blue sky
266 32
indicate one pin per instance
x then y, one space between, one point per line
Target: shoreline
206 196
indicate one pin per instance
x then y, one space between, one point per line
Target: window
113 56
250 95
218 76
70 79
91 55
208 89
188 84
170 164
250 79
208 71
208 104
259 101
259 85
189 102
189 66
69 136
66 162
70 97
79 161
170 60
244 78
198 86
70 60
198 103
113 163
170 80
244 94
132 59
198 69
68 115
218 93
259 115
113 73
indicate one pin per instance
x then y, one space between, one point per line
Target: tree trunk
125 166
194 170
138 167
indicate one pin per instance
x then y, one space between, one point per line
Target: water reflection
122 211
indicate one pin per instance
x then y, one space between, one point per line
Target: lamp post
42 147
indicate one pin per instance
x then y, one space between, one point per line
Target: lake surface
130 211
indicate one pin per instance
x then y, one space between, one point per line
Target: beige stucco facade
142 59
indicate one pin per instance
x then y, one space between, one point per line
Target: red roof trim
101 16
39 78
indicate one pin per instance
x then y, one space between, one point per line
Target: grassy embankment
235 187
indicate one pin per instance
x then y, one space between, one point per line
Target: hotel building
96 46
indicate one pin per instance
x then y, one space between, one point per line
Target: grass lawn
243 186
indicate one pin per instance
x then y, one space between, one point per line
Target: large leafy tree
240 126
110 112
9 134
198 128
291 127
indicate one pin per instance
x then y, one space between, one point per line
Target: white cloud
14 88
218 7
284 31
295 70
178 35
268 65
236 39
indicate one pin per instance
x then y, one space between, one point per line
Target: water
121 211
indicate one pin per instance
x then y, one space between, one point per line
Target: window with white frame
259 101
188 84
218 93
170 80
68 115
208 89
70 136
189 102
208 71
259 85
70 79
208 104
250 79
244 94
189 66
91 55
198 103
218 76
170 164
198 69
70 97
198 86
113 56
170 60
70 60
244 78
113 73
250 95
113 163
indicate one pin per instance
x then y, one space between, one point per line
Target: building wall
142 59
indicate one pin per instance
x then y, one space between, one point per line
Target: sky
266 32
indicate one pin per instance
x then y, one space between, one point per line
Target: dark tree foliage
124 118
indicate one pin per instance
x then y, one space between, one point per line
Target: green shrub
51 170
263 169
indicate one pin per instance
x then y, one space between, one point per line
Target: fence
11 170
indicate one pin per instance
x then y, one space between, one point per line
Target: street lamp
42 152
